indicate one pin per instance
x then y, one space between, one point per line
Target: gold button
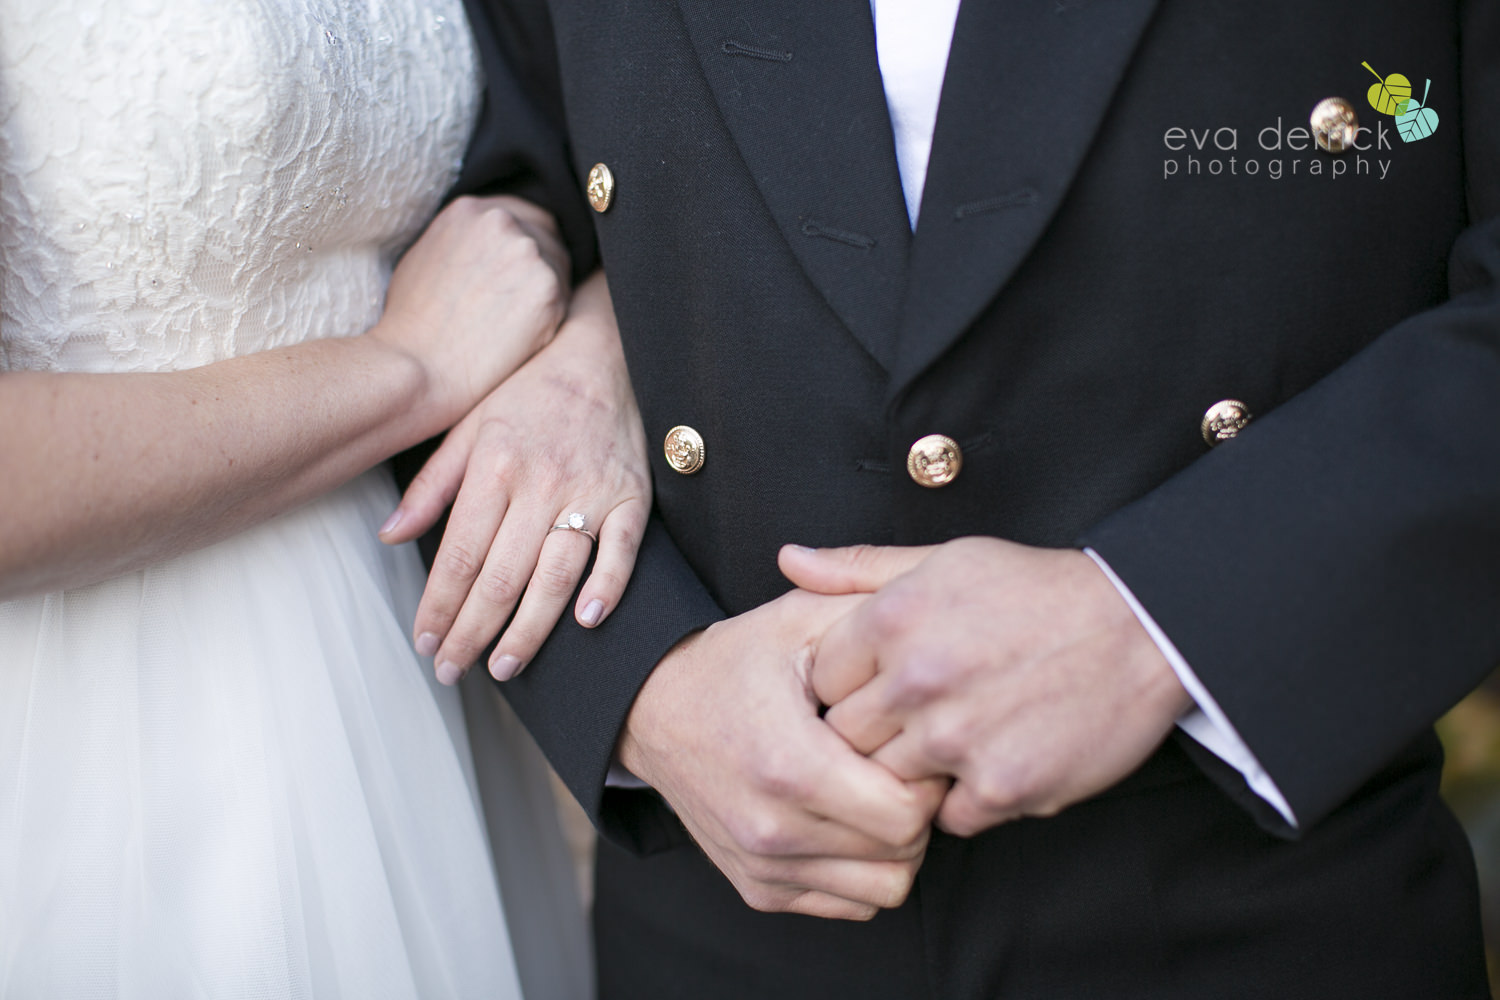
601 187
1334 125
1224 420
684 449
934 461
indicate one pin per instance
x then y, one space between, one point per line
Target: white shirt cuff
1206 722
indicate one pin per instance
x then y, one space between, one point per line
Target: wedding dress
228 775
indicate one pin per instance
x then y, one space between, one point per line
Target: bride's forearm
109 473
113 472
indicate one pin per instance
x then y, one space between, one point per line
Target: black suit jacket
1066 309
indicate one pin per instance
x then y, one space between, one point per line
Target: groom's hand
727 730
1019 671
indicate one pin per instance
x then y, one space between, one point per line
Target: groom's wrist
654 703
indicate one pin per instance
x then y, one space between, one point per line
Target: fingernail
427 643
503 668
391 522
803 548
592 613
448 673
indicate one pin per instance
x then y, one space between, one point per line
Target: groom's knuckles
844 660
883 884
909 828
994 800
899 831
863 718
887 884
929 674
962 816
764 884
916 848
897 885
808 902
784 775
821 904
824 887
989 798
760 832
895 612
859 793
929 794
911 821
947 738
763 898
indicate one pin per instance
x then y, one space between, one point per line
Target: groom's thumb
855 569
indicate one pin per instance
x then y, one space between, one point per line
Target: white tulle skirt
229 776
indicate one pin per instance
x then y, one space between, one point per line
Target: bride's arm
107 473
560 436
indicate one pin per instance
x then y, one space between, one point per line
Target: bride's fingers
509 566
477 514
619 540
433 489
563 558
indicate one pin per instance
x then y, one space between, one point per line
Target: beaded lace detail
183 181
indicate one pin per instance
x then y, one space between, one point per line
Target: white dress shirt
912 38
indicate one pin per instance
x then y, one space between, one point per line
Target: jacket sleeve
1333 573
520 144
574 696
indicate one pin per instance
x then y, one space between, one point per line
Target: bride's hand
481 291
561 436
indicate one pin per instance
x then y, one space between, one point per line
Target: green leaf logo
1391 94
1417 121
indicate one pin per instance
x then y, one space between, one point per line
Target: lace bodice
183 181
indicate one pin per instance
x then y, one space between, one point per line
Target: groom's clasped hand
1018 671
1016 675
727 729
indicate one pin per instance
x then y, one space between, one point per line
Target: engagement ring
574 522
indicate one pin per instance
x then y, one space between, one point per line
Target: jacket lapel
1027 85
798 83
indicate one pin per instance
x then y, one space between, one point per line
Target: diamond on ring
575 521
